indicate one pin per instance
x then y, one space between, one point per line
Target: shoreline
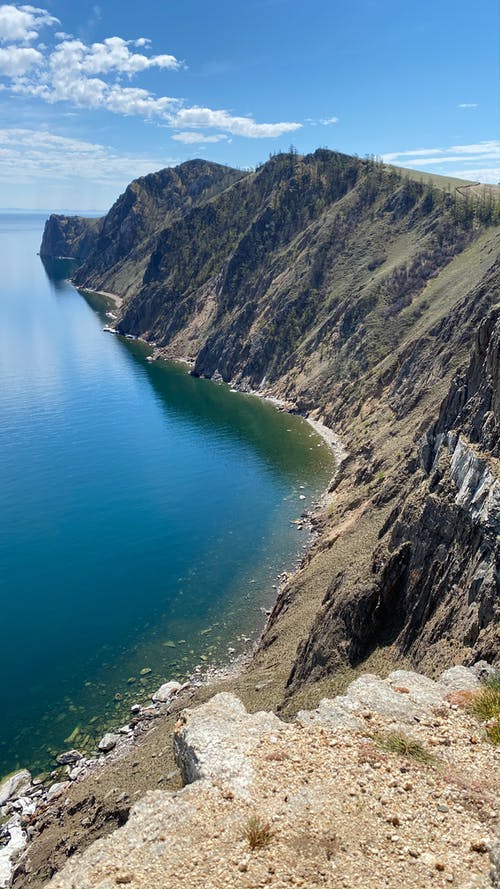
202 677
117 300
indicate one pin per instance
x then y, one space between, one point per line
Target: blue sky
92 96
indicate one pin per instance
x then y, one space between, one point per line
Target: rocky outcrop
434 591
116 249
69 236
214 742
407 796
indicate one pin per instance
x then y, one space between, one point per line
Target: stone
166 691
342 712
420 689
373 692
483 670
56 789
108 742
10 851
213 741
459 679
69 757
14 786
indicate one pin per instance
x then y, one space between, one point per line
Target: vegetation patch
404 746
485 705
258 832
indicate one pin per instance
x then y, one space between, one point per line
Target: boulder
166 691
460 679
56 789
420 689
376 694
69 757
10 851
108 742
342 712
14 786
214 741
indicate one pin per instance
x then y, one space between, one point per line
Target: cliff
370 300
356 292
69 236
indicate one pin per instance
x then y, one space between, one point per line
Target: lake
145 514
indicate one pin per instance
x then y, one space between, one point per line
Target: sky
94 95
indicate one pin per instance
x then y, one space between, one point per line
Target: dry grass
493 733
485 703
258 832
403 746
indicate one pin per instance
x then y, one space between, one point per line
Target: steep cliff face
297 275
433 594
69 236
121 243
355 292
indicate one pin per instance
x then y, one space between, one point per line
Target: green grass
403 746
485 704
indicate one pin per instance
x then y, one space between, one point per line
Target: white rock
459 679
10 852
166 692
14 786
216 739
421 689
108 742
56 789
342 712
376 694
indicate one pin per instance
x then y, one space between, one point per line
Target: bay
144 515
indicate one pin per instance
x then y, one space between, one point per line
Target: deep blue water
144 514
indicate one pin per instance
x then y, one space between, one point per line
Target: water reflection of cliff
58 271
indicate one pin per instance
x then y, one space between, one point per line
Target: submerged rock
69 757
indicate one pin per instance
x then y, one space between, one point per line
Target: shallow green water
144 514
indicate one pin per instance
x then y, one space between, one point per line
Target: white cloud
90 76
488 175
197 117
15 61
112 54
193 138
323 121
22 23
445 159
34 155
469 105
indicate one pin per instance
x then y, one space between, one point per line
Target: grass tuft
258 832
493 681
403 746
493 733
485 703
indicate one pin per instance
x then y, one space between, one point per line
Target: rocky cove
400 587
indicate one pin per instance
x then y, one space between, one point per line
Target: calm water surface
144 514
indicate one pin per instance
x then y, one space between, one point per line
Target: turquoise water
144 514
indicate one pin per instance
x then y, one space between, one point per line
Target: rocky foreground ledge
393 784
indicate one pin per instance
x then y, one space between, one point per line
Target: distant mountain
356 291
